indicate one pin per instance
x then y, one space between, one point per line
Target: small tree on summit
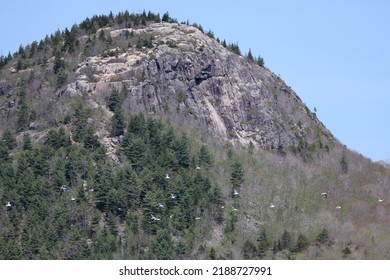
166 17
249 56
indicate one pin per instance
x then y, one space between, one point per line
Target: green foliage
260 61
281 150
118 123
26 143
162 247
234 48
285 240
301 244
23 114
62 77
249 251
346 252
59 63
344 163
323 236
249 56
114 101
205 157
212 254
264 243
90 139
57 138
237 174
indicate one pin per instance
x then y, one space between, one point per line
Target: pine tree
26 143
114 101
260 61
162 247
301 244
285 240
237 174
8 139
344 163
346 252
58 62
205 157
249 56
182 151
23 116
166 17
118 123
4 154
90 139
264 243
323 236
249 251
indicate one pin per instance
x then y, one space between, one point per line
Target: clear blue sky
334 54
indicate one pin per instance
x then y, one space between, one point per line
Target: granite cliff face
184 74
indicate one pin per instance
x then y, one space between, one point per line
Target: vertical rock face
186 74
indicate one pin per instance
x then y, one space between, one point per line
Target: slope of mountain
153 140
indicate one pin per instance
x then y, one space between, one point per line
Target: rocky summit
182 70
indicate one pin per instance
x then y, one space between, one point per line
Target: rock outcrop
185 73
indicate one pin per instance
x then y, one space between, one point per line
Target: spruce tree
285 240
23 116
118 123
264 243
249 56
237 174
26 143
205 157
162 247
301 244
8 139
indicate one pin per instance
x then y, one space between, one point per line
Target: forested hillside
136 137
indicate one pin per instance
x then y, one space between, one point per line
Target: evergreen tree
260 61
237 174
276 247
162 247
205 157
344 163
249 56
8 139
182 151
301 244
137 125
212 255
114 101
134 148
90 139
323 236
264 243
285 240
26 143
57 139
4 154
23 116
118 123
166 17
59 63
346 252
249 251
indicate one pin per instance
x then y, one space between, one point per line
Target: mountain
131 137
